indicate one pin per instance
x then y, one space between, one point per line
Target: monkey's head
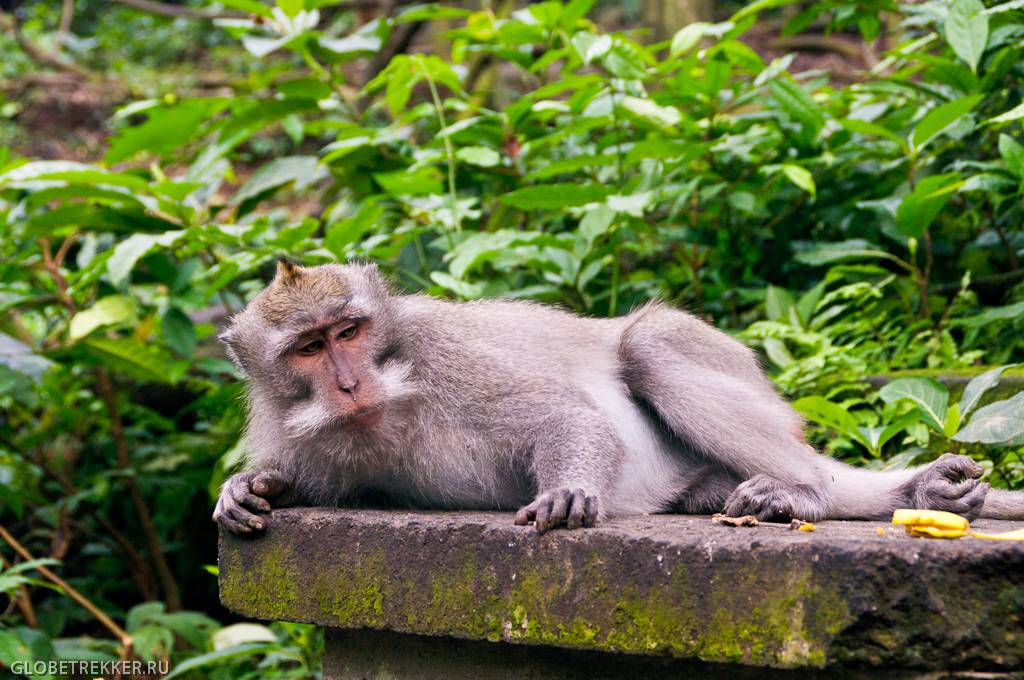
318 345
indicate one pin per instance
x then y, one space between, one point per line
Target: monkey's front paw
571 508
246 494
951 484
771 500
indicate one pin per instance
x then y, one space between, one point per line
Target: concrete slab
665 585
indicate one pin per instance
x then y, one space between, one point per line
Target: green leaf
999 423
220 656
1012 152
180 332
241 633
852 249
426 180
777 352
349 230
877 437
595 224
929 395
952 423
920 207
302 170
941 118
977 388
777 303
483 156
801 177
758 6
651 114
688 37
808 302
591 46
967 30
12 649
824 412
1016 113
167 129
555 196
126 355
800 106
863 127
291 7
464 289
129 251
249 7
112 310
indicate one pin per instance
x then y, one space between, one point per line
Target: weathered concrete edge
692 593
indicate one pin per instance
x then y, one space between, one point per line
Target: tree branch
168 584
37 54
178 11
108 623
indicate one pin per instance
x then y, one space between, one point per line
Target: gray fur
511 405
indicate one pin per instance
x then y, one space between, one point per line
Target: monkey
358 394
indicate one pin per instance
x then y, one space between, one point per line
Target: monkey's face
316 344
344 386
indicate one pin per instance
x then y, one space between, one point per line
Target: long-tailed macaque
358 394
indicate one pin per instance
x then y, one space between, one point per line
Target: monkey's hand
571 508
771 500
248 493
951 484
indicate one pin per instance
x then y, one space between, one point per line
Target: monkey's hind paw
571 508
950 484
771 500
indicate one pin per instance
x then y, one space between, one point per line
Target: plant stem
107 622
448 150
168 583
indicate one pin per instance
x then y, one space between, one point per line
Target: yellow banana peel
1017 535
931 523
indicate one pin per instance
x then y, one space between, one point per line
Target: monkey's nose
348 387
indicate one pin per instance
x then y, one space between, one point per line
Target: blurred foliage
846 231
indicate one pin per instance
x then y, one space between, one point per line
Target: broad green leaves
930 396
555 196
998 423
939 119
967 30
113 310
975 389
920 207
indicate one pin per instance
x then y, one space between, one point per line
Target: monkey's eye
347 333
311 348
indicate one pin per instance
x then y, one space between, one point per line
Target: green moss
744 612
354 597
269 585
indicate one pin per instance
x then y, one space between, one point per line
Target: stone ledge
662 585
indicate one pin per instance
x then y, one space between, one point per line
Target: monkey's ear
287 272
232 345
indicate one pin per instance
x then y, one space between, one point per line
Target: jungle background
838 183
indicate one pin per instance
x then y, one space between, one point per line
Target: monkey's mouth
367 415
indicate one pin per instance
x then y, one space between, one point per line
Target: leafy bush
847 231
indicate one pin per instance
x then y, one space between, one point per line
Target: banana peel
1017 535
941 524
931 523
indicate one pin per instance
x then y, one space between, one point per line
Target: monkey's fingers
544 519
591 511
233 518
956 467
270 483
239 491
525 515
577 509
